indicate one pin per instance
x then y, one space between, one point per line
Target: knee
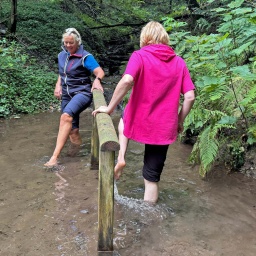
66 118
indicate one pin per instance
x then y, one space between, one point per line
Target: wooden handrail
104 143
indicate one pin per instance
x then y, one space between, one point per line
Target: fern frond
194 155
208 147
250 97
203 170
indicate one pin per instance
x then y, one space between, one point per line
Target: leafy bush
40 27
24 87
222 66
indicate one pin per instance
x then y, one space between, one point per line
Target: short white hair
72 32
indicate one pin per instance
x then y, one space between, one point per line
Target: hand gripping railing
103 146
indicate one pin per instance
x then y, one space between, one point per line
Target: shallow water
54 211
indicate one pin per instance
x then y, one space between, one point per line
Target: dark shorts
75 105
154 158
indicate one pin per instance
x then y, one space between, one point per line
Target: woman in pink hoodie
157 77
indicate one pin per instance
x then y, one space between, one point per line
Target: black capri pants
154 158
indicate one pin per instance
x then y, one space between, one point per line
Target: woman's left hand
101 109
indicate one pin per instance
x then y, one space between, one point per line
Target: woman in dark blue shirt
74 89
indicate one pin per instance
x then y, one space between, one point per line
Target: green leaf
220 9
221 65
227 17
216 95
235 4
209 80
223 44
244 72
253 20
208 148
242 48
223 37
227 120
251 140
208 57
241 11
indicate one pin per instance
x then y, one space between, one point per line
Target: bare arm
99 73
189 98
58 89
123 86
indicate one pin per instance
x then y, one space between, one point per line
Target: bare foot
52 162
119 169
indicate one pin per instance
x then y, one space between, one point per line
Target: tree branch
120 25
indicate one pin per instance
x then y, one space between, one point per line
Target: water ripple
145 209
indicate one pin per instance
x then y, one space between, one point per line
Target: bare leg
151 191
75 137
64 131
76 142
123 147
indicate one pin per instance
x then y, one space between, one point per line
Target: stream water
54 212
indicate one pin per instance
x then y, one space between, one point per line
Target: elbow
99 72
192 99
190 96
127 81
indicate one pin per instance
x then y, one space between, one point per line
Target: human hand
97 85
101 109
58 93
58 89
118 170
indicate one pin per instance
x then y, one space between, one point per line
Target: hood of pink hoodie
160 51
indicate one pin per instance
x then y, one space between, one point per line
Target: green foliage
25 85
114 26
207 150
109 29
236 157
222 66
24 88
40 27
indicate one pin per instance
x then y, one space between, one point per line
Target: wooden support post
94 147
106 201
103 150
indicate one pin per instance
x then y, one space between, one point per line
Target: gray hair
72 32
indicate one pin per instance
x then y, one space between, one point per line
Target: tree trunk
192 4
13 22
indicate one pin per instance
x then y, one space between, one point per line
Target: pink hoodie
160 76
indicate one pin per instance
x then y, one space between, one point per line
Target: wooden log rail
104 143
